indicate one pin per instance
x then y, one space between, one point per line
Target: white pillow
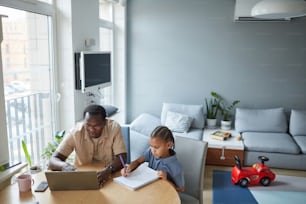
193 111
178 122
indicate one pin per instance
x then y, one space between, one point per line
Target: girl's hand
162 175
130 167
125 171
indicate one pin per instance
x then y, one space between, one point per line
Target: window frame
46 9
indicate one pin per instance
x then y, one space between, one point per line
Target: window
27 80
105 10
112 38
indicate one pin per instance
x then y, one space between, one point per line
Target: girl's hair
164 133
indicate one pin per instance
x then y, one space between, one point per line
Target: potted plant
51 147
212 108
226 110
33 168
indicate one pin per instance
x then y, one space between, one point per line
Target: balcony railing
28 117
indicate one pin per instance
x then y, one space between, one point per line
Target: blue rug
284 190
225 192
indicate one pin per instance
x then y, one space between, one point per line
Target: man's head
94 118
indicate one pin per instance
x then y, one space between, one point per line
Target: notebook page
141 176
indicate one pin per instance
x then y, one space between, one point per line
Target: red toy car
258 173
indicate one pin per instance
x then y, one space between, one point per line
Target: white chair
192 155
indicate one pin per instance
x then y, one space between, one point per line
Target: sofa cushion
301 142
261 120
193 133
270 142
145 123
178 122
110 110
194 111
297 124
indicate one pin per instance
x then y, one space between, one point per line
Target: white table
223 152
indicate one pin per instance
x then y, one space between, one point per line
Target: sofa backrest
261 120
297 125
194 111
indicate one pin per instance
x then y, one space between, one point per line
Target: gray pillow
297 122
194 111
110 110
145 123
261 120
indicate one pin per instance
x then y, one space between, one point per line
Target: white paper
141 176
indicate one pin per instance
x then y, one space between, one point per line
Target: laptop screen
73 180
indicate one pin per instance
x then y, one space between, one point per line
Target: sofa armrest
126 137
297 122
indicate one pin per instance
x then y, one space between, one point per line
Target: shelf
5 176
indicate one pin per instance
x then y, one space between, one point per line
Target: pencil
122 162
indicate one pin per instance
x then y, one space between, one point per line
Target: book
140 177
220 135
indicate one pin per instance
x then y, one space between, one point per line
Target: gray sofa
271 133
183 119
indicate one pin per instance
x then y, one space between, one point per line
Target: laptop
72 180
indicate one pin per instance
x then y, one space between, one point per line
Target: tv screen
94 71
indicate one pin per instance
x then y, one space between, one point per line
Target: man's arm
57 163
116 165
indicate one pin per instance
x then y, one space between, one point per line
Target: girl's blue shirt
170 165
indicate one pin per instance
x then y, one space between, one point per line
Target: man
95 140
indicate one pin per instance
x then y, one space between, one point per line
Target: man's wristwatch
111 168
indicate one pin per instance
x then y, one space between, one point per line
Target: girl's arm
163 175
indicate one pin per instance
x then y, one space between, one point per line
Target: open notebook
141 176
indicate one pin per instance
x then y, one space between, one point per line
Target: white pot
211 123
226 125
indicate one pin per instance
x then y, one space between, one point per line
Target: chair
126 137
192 155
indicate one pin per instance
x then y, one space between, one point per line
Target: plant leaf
26 153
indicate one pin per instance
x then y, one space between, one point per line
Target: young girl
161 157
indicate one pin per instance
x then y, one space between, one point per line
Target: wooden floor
207 194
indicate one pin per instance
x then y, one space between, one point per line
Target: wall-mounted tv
93 70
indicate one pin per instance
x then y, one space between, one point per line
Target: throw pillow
110 110
178 122
194 111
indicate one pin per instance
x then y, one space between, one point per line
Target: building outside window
27 68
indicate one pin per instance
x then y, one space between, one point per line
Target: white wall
77 20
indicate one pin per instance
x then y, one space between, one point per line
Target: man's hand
68 167
104 175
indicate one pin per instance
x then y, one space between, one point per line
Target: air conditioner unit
243 10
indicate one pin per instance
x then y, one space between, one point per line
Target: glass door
27 78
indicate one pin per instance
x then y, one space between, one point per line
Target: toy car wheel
265 181
244 182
